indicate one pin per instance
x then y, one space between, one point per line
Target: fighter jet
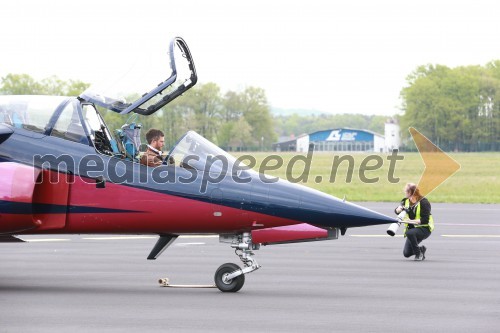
63 171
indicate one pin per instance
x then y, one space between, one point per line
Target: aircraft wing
10 239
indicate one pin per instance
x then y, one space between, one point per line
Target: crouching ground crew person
419 222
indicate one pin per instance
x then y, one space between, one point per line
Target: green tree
20 84
256 112
232 108
205 101
241 133
239 119
457 108
75 87
247 121
23 84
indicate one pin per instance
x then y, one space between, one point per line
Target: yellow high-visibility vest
417 217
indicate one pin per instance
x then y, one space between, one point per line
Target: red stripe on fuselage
156 212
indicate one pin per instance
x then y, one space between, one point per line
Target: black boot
422 251
419 256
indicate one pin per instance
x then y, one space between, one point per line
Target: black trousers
413 237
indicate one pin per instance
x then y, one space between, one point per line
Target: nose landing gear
230 285
230 277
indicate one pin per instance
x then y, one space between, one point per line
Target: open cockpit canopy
180 77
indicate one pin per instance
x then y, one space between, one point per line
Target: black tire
232 286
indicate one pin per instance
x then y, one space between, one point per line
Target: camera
393 228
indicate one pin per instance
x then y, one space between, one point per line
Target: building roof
349 129
344 134
317 134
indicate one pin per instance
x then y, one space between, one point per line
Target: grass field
478 180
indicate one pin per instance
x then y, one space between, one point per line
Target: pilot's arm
151 160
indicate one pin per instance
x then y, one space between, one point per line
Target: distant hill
275 111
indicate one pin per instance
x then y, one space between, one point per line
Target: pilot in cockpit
153 156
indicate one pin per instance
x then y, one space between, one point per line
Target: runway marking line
376 236
471 236
449 236
119 238
471 224
40 240
145 237
47 240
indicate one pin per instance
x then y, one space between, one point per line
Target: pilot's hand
168 159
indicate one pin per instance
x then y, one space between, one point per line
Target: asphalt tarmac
358 283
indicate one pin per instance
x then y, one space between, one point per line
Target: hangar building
345 139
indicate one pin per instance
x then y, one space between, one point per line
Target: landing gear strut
230 277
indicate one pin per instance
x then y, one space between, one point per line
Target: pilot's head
155 138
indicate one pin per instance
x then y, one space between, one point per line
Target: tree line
24 84
456 108
297 124
233 120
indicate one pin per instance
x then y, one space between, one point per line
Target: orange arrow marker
438 165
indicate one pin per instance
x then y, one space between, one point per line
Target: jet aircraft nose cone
365 216
303 204
333 212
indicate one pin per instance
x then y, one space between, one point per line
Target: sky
332 56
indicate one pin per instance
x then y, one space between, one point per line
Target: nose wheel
228 285
230 277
